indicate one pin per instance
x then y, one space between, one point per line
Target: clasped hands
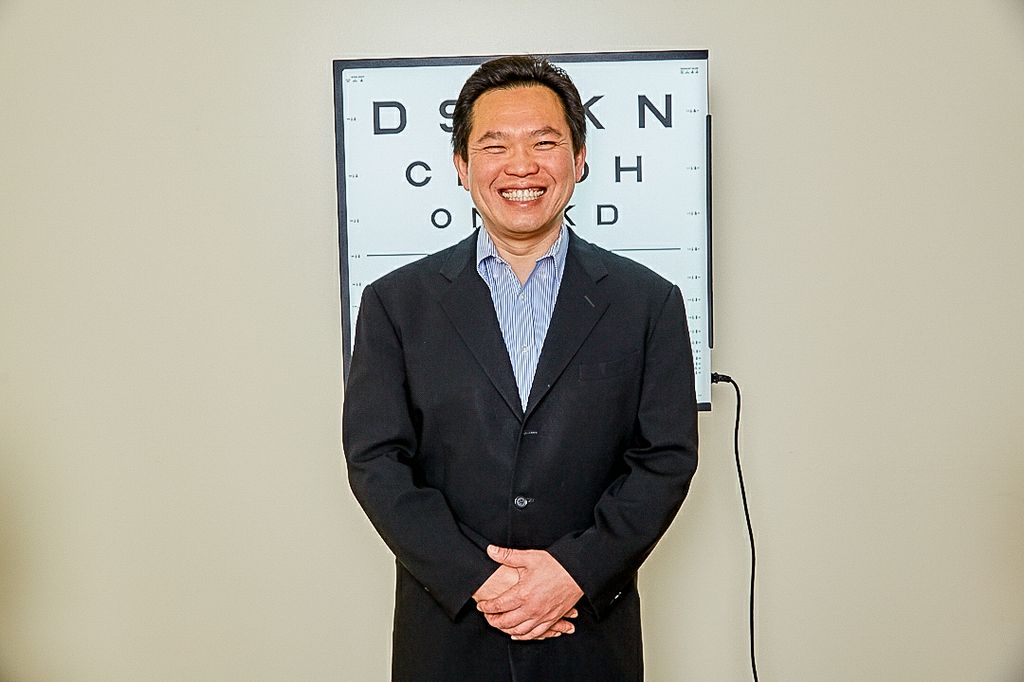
529 596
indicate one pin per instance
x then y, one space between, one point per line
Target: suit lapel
467 302
578 308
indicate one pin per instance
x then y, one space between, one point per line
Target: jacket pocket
612 368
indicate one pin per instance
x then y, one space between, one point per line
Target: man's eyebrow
497 135
546 130
492 135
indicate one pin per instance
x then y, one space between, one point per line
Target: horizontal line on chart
385 255
654 248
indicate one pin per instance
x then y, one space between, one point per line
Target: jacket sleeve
637 508
380 442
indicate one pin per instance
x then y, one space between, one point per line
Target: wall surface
172 500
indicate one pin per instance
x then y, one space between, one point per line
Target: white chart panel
645 194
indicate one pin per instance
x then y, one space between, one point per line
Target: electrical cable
725 378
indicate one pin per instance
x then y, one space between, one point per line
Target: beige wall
172 502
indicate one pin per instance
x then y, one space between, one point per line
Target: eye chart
645 194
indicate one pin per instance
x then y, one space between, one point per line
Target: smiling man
520 418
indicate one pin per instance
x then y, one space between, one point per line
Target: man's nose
521 162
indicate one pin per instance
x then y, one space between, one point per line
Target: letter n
643 104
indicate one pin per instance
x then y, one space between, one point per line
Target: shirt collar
485 248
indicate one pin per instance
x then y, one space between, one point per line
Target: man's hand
537 604
503 579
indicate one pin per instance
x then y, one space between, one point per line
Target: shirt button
521 502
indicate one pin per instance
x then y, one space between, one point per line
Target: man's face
521 169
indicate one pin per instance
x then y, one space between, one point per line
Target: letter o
447 215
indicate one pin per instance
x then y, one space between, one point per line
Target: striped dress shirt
523 310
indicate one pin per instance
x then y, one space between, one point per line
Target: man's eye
494 149
546 144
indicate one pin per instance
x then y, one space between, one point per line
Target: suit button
521 502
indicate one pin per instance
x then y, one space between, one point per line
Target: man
520 419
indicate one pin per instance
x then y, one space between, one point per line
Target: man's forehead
518 91
510 107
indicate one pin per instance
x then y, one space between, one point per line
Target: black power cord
725 378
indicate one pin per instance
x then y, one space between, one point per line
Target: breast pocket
594 371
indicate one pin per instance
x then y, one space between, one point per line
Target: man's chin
526 230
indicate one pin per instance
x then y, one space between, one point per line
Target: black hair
505 73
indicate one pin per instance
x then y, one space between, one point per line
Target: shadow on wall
1018 8
14 522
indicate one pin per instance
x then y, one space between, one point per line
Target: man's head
519 149
517 71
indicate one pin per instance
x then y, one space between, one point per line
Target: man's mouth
522 194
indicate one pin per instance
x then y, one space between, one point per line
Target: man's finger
510 627
507 621
541 629
560 627
500 604
549 635
504 555
503 579
515 622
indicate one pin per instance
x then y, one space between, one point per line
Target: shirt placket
522 316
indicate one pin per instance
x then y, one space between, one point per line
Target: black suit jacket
444 459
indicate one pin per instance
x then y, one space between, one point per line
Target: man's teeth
522 194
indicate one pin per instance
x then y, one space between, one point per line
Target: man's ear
580 162
462 168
